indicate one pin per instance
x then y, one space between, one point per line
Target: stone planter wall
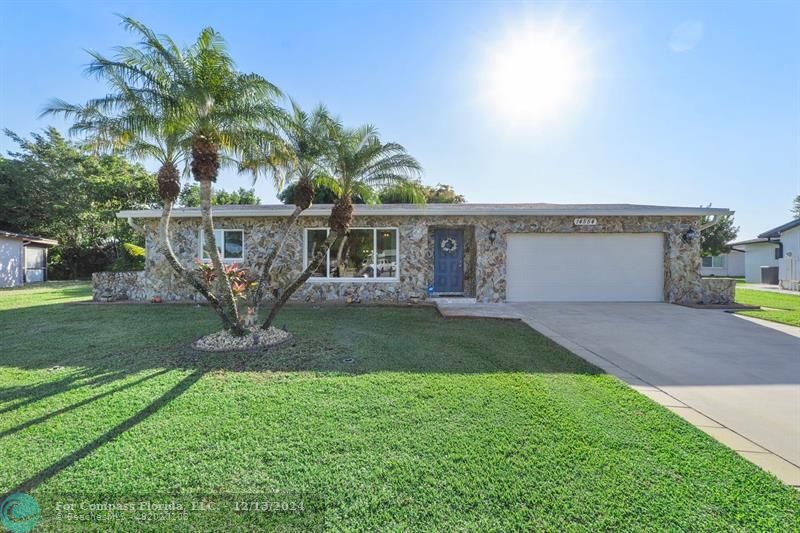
484 261
115 286
718 290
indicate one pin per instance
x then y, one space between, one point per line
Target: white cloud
686 35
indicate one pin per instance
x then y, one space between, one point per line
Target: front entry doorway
448 261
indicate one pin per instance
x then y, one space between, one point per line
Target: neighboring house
23 258
787 238
490 252
758 253
778 247
731 264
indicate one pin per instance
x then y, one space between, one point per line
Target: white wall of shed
11 262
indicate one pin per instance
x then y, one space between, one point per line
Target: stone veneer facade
484 261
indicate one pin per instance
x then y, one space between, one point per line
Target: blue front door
448 260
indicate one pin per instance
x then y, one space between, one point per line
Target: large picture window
230 243
363 253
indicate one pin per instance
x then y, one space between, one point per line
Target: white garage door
585 267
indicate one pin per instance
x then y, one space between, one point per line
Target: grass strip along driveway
435 424
778 307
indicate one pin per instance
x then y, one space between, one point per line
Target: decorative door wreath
449 245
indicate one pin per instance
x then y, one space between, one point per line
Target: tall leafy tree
54 187
41 185
443 194
190 196
356 160
796 207
414 192
714 239
410 192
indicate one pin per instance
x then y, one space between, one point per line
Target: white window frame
328 279
222 255
721 261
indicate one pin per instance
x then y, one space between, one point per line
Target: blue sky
673 103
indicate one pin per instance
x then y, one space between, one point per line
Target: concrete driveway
735 373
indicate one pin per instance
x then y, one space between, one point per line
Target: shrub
131 259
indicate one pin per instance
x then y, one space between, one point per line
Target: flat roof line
442 210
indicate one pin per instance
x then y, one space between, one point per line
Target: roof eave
758 240
457 210
775 233
44 242
28 239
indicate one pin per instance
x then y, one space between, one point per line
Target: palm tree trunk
267 267
223 285
165 247
340 250
301 279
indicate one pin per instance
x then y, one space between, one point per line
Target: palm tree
128 133
298 161
170 104
307 139
229 117
360 159
357 160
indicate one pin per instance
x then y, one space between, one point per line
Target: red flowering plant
239 278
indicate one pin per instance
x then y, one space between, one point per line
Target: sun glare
534 74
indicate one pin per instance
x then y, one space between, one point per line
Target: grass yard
783 308
436 425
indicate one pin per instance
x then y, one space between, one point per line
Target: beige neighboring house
23 258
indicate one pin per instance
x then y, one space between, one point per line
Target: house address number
584 221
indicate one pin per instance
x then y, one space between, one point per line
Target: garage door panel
585 267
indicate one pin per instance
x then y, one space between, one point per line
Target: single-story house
759 252
23 258
730 264
788 253
489 252
787 236
778 247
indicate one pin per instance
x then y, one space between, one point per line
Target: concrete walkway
767 288
737 380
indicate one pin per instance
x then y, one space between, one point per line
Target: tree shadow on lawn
25 394
76 405
67 461
86 346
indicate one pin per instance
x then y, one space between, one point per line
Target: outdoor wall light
492 236
689 235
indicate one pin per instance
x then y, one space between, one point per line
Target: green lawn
52 292
436 425
784 308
